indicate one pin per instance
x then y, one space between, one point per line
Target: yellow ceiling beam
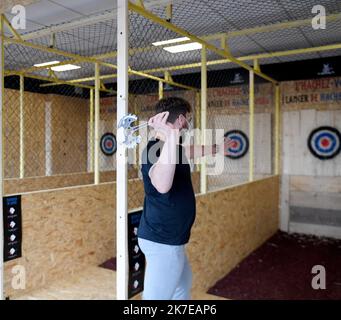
248 58
53 81
82 59
133 72
223 61
194 38
230 34
79 58
140 3
10 28
32 69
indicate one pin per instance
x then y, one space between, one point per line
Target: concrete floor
93 283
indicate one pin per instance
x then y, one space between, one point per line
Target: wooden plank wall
311 184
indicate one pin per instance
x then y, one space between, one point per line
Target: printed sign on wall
136 257
12 227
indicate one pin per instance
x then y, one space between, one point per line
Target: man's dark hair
175 106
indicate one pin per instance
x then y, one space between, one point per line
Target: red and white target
108 144
238 144
325 142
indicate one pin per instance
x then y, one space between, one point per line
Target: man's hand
160 125
162 172
227 144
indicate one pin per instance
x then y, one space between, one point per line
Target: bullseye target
325 142
239 145
108 144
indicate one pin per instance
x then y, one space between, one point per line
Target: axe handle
133 129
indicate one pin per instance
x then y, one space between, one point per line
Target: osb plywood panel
196 181
11 122
230 224
69 134
68 129
93 283
34 134
65 230
14 186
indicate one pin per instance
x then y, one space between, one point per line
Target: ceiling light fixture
65 67
45 64
184 47
170 41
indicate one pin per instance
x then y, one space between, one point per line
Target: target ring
239 146
325 142
108 144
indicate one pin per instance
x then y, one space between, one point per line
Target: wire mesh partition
228 109
228 105
49 112
42 141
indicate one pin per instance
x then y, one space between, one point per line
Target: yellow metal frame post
277 126
251 124
203 118
22 127
91 129
2 91
160 90
197 138
97 116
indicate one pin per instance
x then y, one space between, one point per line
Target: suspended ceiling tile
46 13
330 35
87 7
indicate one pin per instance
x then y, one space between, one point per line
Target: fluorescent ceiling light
65 67
45 64
184 47
170 41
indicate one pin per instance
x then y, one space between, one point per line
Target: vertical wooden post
121 155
